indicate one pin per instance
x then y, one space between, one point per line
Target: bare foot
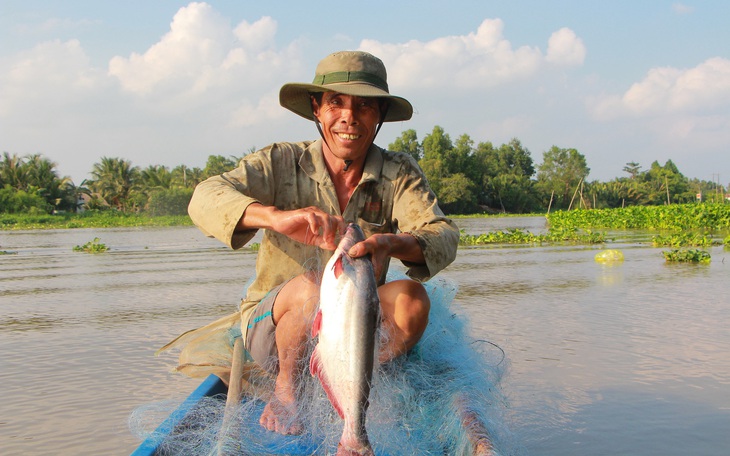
280 416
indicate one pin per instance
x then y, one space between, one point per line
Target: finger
335 228
360 249
313 228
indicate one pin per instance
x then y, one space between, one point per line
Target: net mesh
441 398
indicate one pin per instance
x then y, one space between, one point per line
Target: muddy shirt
392 196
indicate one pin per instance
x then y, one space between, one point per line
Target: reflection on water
628 358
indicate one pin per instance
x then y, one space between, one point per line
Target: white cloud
565 48
197 40
39 83
204 86
479 59
666 91
202 54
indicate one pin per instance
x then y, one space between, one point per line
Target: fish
347 324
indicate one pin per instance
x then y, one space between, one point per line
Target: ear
315 106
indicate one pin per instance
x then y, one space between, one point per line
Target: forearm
257 216
308 225
406 247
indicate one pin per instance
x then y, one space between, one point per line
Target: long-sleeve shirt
392 196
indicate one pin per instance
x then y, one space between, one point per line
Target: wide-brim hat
351 73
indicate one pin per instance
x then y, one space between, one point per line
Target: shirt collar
312 162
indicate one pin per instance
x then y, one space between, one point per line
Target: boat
151 446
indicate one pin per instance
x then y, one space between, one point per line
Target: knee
412 308
299 297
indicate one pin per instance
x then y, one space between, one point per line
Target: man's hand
381 246
309 225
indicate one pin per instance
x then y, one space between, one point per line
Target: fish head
354 269
353 235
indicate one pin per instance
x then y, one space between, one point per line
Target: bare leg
405 305
293 314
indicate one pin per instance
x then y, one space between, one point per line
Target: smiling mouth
348 136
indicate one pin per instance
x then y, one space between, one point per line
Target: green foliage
14 201
218 164
687 256
517 236
88 219
457 194
467 177
172 201
675 217
408 143
560 174
683 240
31 177
91 247
185 177
116 181
666 185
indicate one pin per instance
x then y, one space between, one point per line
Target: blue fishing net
434 400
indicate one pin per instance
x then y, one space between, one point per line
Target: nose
348 116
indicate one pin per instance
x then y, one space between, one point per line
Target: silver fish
347 323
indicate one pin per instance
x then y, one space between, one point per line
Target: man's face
348 123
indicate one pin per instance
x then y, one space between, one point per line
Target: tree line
468 178
471 178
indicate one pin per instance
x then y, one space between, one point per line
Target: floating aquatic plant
687 256
683 240
93 246
517 236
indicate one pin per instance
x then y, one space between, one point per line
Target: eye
333 99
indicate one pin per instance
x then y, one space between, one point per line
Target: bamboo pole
666 184
550 204
235 389
575 193
473 426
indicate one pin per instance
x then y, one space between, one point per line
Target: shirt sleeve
219 202
416 211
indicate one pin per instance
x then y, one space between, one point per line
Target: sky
162 82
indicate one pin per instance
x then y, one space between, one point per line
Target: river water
631 358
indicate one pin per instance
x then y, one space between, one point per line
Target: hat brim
295 97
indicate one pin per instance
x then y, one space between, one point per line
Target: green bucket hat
351 73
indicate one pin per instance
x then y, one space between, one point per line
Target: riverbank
89 219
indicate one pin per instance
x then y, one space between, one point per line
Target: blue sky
167 82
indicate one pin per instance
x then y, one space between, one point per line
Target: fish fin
337 269
317 323
314 363
315 368
330 395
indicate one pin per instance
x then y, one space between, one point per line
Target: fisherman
302 195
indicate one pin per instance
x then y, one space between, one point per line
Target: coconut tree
116 181
156 177
12 172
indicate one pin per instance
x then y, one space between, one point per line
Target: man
302 195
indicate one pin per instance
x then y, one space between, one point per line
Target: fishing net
422 403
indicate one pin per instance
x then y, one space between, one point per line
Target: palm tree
115 180
156 177
12 172
185 177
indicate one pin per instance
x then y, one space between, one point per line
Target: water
623 359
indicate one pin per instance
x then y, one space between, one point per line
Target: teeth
346 136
